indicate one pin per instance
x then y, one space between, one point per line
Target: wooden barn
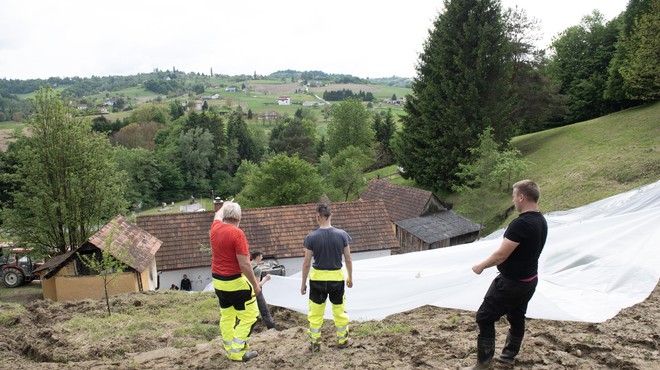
66 277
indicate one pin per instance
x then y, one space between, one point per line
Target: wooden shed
66 277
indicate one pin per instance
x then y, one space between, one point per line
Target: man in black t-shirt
327 245
517 261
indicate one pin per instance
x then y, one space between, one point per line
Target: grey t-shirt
327 245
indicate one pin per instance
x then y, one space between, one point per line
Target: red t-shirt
227 241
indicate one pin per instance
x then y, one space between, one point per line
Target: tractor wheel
12 278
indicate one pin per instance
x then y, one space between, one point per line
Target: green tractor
17 267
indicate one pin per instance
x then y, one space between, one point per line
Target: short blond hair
230 211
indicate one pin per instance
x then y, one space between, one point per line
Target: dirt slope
434 338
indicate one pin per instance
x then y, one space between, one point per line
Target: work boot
510 350
485 353
315 347
344 344
249 355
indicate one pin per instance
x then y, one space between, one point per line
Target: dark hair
255 254
323 210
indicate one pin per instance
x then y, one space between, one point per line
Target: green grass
588 161
207 204
12 125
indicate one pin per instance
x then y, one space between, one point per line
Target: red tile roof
275 231
402 202
142 246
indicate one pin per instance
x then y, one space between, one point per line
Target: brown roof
439 226
185 238
142 246
275 231
402 202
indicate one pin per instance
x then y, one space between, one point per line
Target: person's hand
349 282
267 277
257 290
303 289
477 269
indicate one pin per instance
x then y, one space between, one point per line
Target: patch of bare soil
434 338
276 89
353 87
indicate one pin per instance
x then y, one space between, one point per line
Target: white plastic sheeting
598 259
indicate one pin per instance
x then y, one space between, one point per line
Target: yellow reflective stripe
326 275
239 341
240 283
314 330
342 328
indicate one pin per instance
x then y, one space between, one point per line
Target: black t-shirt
327 245
530 230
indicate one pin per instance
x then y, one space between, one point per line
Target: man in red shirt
234 282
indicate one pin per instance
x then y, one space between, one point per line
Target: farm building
66 277
277 232
421 220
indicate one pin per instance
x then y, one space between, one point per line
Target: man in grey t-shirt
327 245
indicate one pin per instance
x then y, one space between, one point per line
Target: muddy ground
432 338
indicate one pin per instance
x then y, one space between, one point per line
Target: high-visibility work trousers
236 302
326 284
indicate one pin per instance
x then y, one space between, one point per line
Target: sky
364 38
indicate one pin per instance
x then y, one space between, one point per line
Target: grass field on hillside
588 161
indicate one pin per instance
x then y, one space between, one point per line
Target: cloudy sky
365 38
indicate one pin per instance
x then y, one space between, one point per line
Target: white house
284 100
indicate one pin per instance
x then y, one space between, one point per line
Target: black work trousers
505 297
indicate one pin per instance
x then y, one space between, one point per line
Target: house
199 104
81 106
231 89
284 100
438 230
66 277
403 202
215 96
421 220
277 232
270 116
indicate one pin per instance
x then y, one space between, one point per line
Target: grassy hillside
588 161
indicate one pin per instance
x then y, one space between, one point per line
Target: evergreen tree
641 75
237 129
615 83
462 86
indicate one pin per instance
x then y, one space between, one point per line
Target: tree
384 127
144 176
462 86
484 179
68 183
105 264
195 150
641 75
580 63
350 126
237 129
282 180
295 136
537 99
347 170
616 91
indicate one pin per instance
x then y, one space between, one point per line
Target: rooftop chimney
218 202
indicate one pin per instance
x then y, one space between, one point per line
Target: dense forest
454 134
